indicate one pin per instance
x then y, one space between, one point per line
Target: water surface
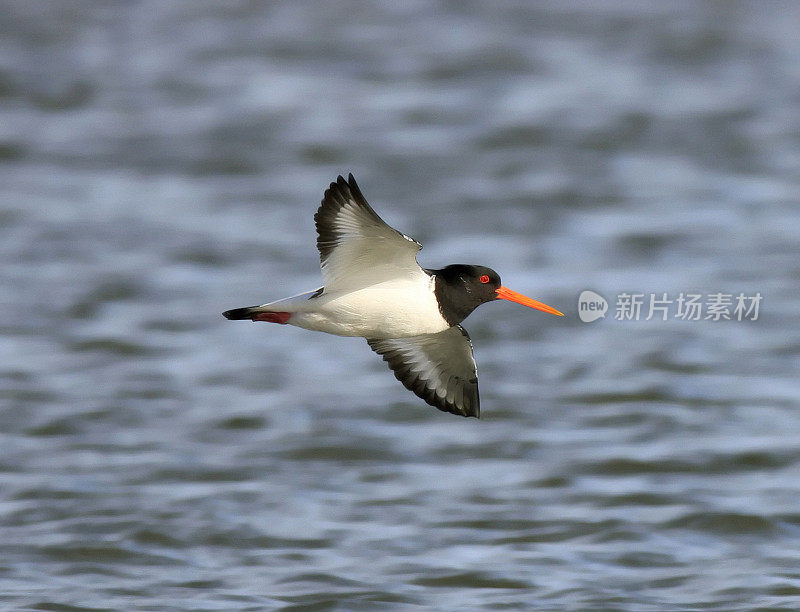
161 163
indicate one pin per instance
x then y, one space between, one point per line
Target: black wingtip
350 184
468 409
339 182
354 188
339 189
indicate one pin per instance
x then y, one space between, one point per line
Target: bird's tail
237 314
274 312
258 313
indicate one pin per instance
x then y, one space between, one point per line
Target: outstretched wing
439 368
356 247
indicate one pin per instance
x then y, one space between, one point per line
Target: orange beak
504 293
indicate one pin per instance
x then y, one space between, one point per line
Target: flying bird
374 288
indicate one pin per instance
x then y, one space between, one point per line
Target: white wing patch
357 248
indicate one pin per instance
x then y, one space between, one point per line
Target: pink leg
273 317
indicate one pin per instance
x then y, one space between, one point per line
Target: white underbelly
393 309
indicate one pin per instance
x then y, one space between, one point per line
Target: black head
461 288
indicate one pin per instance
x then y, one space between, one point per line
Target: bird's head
462 288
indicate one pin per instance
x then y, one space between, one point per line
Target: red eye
484 279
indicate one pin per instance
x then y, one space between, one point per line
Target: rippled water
161 162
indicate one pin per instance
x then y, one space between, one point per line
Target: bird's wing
439 368
356 247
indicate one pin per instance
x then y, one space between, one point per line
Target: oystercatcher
374 288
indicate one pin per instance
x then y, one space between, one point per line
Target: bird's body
390 309
375 289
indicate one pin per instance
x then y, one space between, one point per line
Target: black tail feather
238 314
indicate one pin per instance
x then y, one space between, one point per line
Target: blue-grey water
160 162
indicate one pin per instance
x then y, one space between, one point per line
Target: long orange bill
504 293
